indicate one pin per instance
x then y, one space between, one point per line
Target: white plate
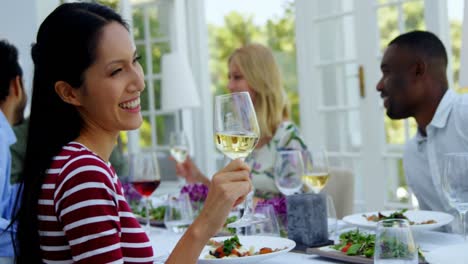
257 242
453 254
415 216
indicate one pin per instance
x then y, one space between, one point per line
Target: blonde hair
260 70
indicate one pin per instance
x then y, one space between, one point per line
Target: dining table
164 241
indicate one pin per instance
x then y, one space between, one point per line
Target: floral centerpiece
132 196
279 206
197 193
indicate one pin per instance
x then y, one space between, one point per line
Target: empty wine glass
144 176
455 184
331 218
179 148
179 214
394 243
288 171
236 135
270 225
316 171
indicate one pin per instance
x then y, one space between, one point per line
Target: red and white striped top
83 215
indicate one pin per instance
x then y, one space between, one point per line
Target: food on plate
229 220
357 243
155 213
232 248
396 215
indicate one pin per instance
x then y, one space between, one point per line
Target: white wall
19 21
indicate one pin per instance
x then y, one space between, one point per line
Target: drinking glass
331 217
394 243
316 171
179 213
288 171
269 227
179 145
179 148
145 177
236 135
455 184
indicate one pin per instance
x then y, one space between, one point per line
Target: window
394 18
336 38
232 24
152 40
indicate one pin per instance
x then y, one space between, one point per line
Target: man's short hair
422 42
9 67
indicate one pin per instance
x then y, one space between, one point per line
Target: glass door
340 44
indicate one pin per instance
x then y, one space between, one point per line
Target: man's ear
419 67
16 88
67 93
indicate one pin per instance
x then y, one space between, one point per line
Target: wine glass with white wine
236 135
179 148
316 170
179 144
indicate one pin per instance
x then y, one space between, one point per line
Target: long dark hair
65 47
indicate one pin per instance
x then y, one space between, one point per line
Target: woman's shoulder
77 158
288 136
76 152
285 127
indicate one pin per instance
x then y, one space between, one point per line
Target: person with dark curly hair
12 103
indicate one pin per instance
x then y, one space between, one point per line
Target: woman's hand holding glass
190 172
236 135
228 188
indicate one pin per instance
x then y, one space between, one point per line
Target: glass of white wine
179 145
179 149
236 135
316 170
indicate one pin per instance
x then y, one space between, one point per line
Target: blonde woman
253 69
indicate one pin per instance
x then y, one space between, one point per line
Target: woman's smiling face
110 96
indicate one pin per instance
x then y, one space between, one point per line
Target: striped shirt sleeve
86 205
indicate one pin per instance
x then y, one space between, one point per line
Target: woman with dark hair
86 89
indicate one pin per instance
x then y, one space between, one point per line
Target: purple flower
256 166
196 192
278 203
130 193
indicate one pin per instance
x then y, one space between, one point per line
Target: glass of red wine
145 177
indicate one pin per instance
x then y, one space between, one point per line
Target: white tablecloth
164 241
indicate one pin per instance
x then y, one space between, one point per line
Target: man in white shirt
414 84
12 103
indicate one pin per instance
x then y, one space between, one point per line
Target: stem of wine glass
147 214
462 219
248 205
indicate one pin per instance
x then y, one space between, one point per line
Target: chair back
340 187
